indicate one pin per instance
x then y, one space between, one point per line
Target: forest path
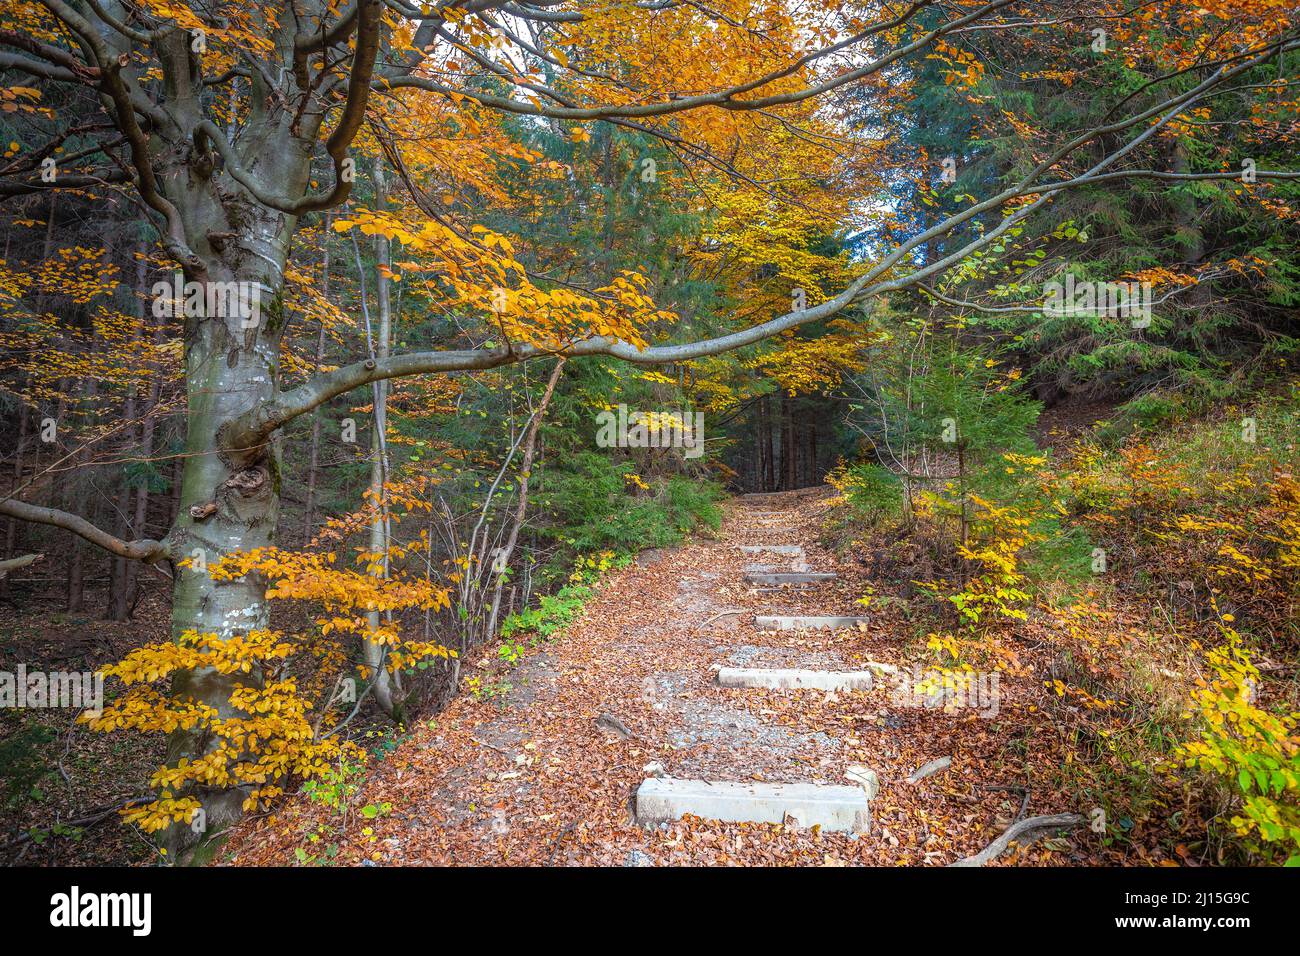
538 777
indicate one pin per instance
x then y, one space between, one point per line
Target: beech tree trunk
229 498
313 456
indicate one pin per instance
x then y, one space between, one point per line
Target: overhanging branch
719 99
255 427
146 549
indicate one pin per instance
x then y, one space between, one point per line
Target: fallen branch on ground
929 769
611 723
83 822
724 614
995 849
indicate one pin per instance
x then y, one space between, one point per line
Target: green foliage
872 492
961 404
145 474
964 464
693 504
1216 316
593 496
555 612
1254 749
510 652
1143 413
336 787
488 690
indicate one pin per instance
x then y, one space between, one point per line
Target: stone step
774 548
792 679
834 808
792 577
795 622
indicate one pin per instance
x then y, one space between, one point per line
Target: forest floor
530 776
61 785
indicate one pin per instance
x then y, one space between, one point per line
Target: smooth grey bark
227 503
375 653
218 228
313 456
228 499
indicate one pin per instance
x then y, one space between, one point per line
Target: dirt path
537 779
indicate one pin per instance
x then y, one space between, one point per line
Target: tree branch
253 428
1036 825
13 564
146 549
721 99
368 22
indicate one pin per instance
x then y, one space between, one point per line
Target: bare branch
13 564
255 427
139 36
146 549
720 99
368 33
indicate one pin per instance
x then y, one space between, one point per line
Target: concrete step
791 679
833 808
774 548
791 577
795 622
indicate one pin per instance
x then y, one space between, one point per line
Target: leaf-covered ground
533 778
60 784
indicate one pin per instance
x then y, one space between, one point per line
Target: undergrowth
1163 574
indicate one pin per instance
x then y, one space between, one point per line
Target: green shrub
555 612
872 491
593 507
693 503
